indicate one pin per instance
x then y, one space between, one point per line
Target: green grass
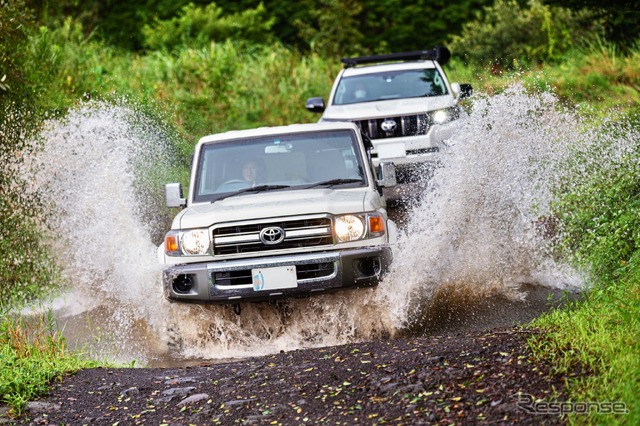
32 355
600 228
601 336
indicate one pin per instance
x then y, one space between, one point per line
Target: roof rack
438 53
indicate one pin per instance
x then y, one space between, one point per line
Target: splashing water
478 229
88 171
473 234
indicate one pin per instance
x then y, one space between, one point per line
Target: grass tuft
32 355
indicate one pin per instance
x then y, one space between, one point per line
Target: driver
251 171
360 91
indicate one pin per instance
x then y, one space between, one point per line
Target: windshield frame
295 153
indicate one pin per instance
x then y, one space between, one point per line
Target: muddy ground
486 377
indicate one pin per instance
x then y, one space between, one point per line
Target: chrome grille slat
245 238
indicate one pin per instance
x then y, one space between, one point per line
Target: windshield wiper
261 188
258 188
334 182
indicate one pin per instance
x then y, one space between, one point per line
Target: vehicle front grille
245 238
315 270
407 125
303 272
242 277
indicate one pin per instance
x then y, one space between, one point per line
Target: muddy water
472 252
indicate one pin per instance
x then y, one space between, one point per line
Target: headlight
358 227
444 115
194 242
349 228
440 117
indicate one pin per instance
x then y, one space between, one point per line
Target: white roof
382 68
277 130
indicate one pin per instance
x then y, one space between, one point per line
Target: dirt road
484 377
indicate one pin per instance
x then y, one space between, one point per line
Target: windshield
278 162
389 85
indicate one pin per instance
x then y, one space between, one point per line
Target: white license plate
391 150
278 277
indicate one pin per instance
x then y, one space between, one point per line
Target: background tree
622 17
364 25
15 20
509 35
194 26
333 30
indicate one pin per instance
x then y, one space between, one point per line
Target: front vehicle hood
387 108
276 204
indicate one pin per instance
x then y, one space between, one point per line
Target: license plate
278 277
391 150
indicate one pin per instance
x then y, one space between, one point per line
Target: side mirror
173 195
315 104
462 90
386 175
465 91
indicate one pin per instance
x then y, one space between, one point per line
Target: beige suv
278 212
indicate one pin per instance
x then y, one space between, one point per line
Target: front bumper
229 282
414 149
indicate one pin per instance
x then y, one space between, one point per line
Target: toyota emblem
388 125
272 235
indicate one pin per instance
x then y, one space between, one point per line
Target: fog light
182 284
369 267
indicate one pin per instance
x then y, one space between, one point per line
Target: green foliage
32 355
404 25
601 216
15 20
197 26
26 268
599 226
336 32
620 16
217 87
510 36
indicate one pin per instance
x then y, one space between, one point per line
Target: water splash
479 228
88 171
474 235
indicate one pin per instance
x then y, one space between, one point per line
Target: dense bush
26 268
511 36
600 216
599 224
15 21
196 26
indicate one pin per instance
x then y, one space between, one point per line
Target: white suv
278 212
402 101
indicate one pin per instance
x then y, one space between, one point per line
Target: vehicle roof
381 68
278 130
